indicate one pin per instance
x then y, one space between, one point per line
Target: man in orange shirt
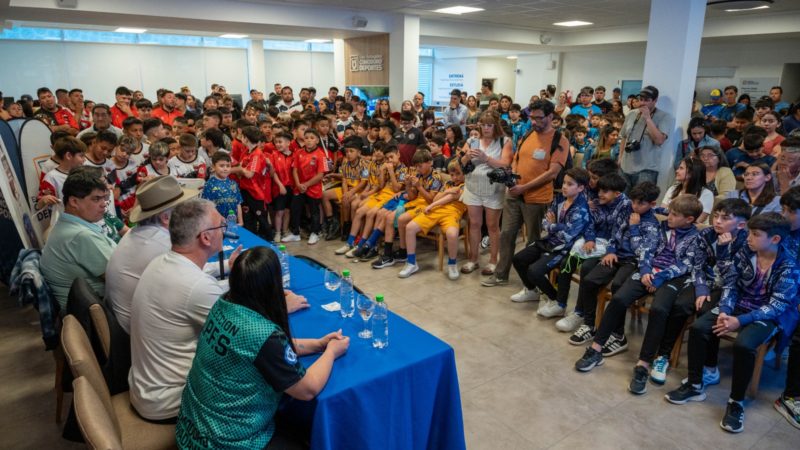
167 110
538 162
123 108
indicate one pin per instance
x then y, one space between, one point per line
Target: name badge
539 154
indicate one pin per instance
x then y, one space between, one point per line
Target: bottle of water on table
347 296
284 257
380 323
233 226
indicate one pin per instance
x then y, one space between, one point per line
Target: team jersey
61 116
374 179
255 161
187 169
352 174
224 193
107 165
125 180
141 157
148 170
308 164
51 184
117 115
282 164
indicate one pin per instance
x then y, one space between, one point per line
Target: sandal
469 267
488 270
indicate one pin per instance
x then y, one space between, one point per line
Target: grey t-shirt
647 158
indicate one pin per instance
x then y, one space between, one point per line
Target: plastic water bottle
347 299
287 276
233 226
380 323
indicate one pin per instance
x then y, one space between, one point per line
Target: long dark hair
696 172
256 282
767 192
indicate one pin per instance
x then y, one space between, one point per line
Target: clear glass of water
365 307
332 281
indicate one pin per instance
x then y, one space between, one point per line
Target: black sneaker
333 231
589 360
582 335
638 384
384 261
615 345
685 393
360 251
400 255
733 421
369 255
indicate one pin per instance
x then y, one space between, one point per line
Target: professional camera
503 175
633 146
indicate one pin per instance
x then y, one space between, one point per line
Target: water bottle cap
230 212
345 273
282 247
379 298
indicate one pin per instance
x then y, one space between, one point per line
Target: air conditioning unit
359 22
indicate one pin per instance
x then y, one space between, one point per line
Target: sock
373 238
387 249
412 259
351 240
451 261
401 252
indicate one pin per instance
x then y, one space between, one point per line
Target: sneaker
469 267
525 295
494 281
452 272
485 242
569 323
589 360
400 255
333 231
638 384
368 255
710 376
291 237
408 270
353 252
733 421
789 408
277 237
658 374
383 261
343 249
488 270
582 335
685 393
615 345
313 238
551 309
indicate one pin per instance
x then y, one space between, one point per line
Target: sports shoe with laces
789 408
569 323
494 281
638 383
686 393
343 249
383 261
368 255
733 420
551 309
400 255
615 345
353 252
291 237
525 295
589 360
408 270
485 242
582 335
452 272
313 238
710 376
658 374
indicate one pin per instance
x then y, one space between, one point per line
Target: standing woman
562 106
241 371
491 151
759 190
383 111
719 176
690 178
473 112
772 143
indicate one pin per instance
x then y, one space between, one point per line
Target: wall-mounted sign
366 63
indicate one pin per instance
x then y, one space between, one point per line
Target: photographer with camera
478 157
644 132
541 156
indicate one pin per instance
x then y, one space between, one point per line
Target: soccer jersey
125 179
255 161
374 179
61 116
52 183
432 183
282 163
224 193
187 169
141 157
106 165
352 174
308 164
117 115
148 170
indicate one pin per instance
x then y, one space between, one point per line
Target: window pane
108 37
31 34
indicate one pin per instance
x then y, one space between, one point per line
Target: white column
338 66
403 59
670 64
256 74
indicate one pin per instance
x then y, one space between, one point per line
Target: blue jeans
637 177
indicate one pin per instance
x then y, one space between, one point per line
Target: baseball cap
649 92
715 94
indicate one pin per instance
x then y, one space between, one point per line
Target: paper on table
332 307
228 248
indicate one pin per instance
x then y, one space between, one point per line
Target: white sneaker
313 238
569 323
525 295
658 371
551 309
452 271
343 249
351 253
408 270
291 238
277 237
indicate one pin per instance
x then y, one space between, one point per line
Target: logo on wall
354 63
368 63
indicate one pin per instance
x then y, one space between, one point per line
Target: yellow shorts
444 216
418 204
379 198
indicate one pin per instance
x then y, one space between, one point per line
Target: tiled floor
518 386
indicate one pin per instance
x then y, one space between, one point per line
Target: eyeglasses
224 228
708 156
537 118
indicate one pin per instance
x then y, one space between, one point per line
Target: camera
503 175
633 146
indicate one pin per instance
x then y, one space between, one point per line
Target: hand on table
335 342
295 302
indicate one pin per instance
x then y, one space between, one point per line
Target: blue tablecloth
405 396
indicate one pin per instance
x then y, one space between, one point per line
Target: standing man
528 201
419 105
731 107
123 108
54 115
776 94
166 110
644 132
456 112
275 95
287 103
585 107
600 99
487 94
101 121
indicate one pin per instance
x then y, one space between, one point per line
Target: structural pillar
338 65
670 64
256 74
403 60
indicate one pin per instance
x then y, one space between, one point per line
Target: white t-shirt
107 166
706 198
170 305
187 169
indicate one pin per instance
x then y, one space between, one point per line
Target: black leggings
299 203
255 216
594 277
531 266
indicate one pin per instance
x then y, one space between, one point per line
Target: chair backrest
83 363
97 426
100 324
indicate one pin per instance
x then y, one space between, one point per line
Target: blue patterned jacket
792 244
781 305
610 222
717 257
689 257
562 234
648 226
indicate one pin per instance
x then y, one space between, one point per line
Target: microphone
221 265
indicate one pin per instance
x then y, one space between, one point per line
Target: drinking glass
332 280
365 307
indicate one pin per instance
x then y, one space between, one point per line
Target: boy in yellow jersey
374 185
422 185
353 173
445 211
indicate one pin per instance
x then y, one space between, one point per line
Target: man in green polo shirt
76 246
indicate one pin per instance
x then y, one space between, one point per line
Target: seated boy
753 153
565 222
598 168
718 244
604 234
619 262
788 404
759 300
663 269
374 185
354 173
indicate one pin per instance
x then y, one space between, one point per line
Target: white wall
300 69
600 67
534 75
98 69
500 68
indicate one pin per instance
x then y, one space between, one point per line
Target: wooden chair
438 237
101 327
127 427
97 426
761 352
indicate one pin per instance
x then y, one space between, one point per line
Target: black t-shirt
278 364
604 106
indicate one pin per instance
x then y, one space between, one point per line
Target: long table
405 396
